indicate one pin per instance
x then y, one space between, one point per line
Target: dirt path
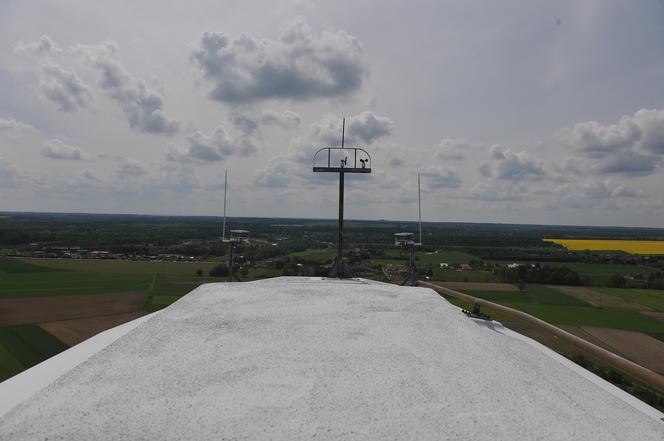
75 331
48 309
479 286
643 349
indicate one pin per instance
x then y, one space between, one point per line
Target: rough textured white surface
296 358
22 386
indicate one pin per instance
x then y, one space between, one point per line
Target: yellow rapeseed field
630 246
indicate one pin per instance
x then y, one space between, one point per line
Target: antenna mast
343 132
419 205
223 234
341 154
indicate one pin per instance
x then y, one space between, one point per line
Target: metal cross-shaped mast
329 165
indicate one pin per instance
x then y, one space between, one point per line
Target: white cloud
45 45
10 176
594 140
489 191
364 128
63 87
143 107
643 132
593 192
628 163
56 149
512 166
208 148
248 121
438 177
15 127
300 65
130 167
275 175
453 149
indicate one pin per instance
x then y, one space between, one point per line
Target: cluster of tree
656 280
550 254
535 273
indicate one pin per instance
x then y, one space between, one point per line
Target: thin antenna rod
343 132
419 204
223 234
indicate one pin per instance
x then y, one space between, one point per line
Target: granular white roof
297 358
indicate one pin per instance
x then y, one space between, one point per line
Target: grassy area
647 297
599 273
64 283
316 255
15 266
463 276
537 294
124 266
554 306
23 346
588 316
450 256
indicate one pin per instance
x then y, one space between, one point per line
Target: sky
512 111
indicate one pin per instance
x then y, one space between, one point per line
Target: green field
65 283
601 273
23 346
651 298
26 345
15 266
316 255
535 294
463 276
449 256
588 316
124 266
554 306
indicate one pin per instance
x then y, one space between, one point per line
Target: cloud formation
438 177
300 65
643 131
45 45
209 148
512 166
130 168
13 126
63 87
143 107
56 149
628 163
248 121
453 149
489 191
275 175
632 147
9 175
364 128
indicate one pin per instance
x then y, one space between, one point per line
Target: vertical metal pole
419 205
230 262
223 234
340 228
343 132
